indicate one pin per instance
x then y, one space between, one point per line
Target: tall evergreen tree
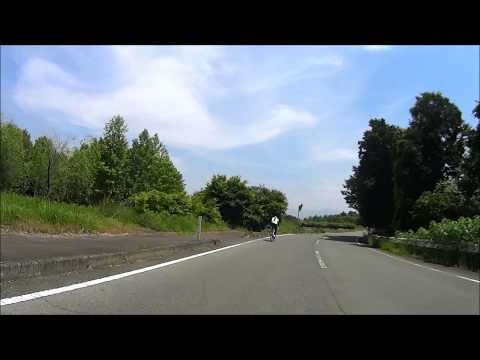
112 174
150 167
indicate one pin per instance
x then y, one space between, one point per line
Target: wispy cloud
376 47
278 74
165 91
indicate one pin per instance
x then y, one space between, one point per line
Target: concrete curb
61 265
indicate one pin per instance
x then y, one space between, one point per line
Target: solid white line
426 267
44 293
466 278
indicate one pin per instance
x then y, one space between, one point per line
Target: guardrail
459 253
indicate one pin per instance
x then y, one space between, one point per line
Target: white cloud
164 90
376 47
279 74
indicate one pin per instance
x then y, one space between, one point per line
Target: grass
31 214
394 248
289 227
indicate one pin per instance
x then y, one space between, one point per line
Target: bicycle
269 230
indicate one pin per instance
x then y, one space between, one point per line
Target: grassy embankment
30 214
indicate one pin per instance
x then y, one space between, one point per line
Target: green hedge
446 239
448 231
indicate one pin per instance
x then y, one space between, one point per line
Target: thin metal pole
199 227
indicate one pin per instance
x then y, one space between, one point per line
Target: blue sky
288 117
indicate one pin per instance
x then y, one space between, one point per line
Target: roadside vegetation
33 214
447 231
346 221
421 182
107 185
449 242
428 171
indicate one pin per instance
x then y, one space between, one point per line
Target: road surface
298 274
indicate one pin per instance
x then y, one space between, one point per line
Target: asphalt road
301 274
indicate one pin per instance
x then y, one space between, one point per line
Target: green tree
351 190
150 167
370 189
40 167
12 157
470 179
430 150
231 195
439 132
111 180
265 203
201 206
27 144
445 202
406 188
80 171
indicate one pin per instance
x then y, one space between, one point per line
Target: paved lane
284 277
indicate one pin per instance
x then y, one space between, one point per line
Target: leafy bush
205 208
243 205
446 201
231 195
160 202
463 229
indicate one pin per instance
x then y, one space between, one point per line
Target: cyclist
274 222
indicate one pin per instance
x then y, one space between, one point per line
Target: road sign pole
199 227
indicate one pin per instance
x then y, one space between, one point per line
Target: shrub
463 229
446 201
160 202
205 208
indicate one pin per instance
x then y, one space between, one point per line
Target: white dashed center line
320 261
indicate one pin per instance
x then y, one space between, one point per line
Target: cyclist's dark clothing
275 228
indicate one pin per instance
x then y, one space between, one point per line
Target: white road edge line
426 267
466 278
44 293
